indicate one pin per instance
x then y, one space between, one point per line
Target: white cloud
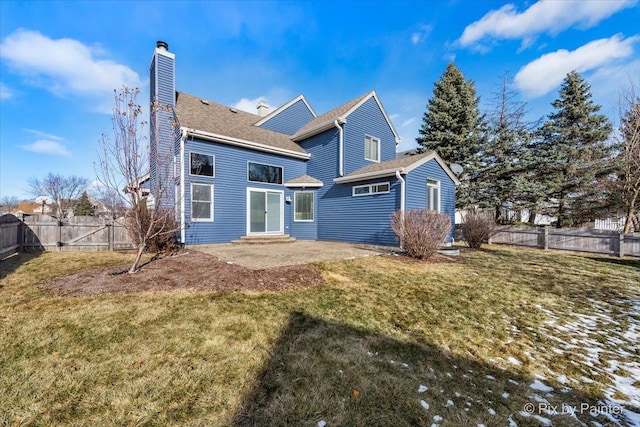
547 72
46 146
545 16
64 66
408 122
43 135
249 105
421 35
6 92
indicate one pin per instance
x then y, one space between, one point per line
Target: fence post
20 233
545 238
621 247
59 245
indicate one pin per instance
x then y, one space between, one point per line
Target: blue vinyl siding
363 219
163 134
416 191
290 120
341 217
366 120
230 193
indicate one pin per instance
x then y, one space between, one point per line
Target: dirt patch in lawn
186 270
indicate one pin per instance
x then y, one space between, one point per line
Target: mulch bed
191 270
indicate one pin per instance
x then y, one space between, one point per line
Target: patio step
262 240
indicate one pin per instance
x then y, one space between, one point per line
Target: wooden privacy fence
46 233
570 239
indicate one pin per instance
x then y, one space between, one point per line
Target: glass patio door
265 212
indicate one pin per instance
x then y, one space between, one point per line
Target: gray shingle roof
303 179
219 119
401 162
330 116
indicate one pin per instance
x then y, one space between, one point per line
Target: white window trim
377 141
266 164
212 216
313 206
213 164
434 183
370 186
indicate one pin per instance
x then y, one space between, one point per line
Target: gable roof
304 181
327 120
221 123
284 107
404 165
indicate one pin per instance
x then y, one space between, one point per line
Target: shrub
421 232
477 228
160 226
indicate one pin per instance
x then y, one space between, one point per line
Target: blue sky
61 61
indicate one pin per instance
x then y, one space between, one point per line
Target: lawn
507 338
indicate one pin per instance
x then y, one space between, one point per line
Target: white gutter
402 202
368 175
402 193
247 144
341 147
183 231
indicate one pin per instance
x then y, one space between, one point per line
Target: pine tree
504 153
84 207
573 154
450 127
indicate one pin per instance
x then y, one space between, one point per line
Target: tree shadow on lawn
12 263
625 262
320 370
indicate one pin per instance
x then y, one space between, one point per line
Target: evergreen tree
451 128
84 207
573 156
504 154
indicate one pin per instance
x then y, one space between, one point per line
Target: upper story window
371 148
433 195
365 190
201 164
269 174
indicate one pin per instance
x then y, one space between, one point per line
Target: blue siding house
230 174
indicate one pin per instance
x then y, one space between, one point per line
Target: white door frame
248 212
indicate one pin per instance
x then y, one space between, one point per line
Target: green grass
324 353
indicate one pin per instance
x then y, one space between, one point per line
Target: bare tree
627 186
63 190
123 172
8 203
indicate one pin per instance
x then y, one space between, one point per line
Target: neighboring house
290 172
33 208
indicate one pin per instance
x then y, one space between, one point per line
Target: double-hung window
201 202
303 206
433 195
371 148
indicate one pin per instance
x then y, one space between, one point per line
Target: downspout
341 148
183 138
402 200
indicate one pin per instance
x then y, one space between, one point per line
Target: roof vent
233 110
204 101
162 45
